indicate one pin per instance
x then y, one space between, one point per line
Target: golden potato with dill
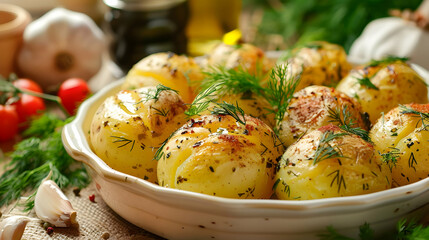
401 138
329 162
318 63
221 156
382 85
128 126
317 106
177 72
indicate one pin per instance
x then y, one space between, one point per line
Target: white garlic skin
52 206
12 228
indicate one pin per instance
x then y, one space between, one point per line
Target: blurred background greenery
279 24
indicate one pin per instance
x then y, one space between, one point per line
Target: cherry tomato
8 122
72 92
27 84
27 107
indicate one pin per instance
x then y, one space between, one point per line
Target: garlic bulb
52 206
60 45
12 228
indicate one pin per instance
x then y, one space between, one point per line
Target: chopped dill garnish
280 90
230 109
325 150
233 80
153 94
36 156
366 81
387 60
391 157
424 117
345 121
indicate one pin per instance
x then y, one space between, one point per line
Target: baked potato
217 155
401 137
379 87
177 72
318 63
129 126
243 56
317 106
329 162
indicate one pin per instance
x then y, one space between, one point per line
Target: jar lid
145 5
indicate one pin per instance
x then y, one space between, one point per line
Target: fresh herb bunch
336 21
404 231
37 155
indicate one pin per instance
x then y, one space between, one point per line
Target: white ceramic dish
176 214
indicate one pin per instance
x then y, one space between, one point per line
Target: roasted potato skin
178 72
318 63
128 126
309 109
216 155
397 83
403 136
358 171
244 56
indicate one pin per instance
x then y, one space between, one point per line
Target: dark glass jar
139 28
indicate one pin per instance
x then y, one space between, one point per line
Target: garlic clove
52 206
12 228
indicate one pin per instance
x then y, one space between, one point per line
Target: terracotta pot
13 20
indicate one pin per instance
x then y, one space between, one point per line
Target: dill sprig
325 150
153 94
233 80
33 159
387 60
345 121
203 99
230 109
366 81
424 117
391 157
280 89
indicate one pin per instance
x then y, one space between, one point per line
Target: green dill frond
345 121
387 60
325 150
366 81
159 151
153 94
280 89
233 80
230 109
35 157
424 117
391 157
203 100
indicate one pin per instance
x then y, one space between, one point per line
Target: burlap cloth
95 221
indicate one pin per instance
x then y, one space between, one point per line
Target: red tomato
27 107
72 92
8 122
27 84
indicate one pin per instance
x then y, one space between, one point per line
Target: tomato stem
49 98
